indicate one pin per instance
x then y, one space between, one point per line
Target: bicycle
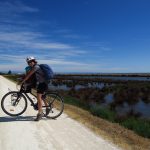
14 103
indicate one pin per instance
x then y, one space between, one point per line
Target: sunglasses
29 62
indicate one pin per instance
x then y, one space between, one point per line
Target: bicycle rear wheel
14 103
55 105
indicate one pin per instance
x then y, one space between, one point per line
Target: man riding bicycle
41 84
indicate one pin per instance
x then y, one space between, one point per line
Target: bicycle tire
55 104
10 94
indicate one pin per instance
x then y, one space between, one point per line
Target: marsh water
77 87
140 107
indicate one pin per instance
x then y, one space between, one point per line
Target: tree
9 72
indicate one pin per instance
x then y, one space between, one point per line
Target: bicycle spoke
55 105
13 105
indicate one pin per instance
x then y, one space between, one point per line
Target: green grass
76 102
96 110
140 126
104 113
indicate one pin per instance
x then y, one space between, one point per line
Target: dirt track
22 133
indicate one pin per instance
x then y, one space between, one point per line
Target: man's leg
44 98
40 91
39 102
40 113
47 108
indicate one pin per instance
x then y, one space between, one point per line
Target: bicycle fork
15 98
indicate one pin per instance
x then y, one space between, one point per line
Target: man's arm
28 76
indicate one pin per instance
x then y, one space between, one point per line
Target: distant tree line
8 73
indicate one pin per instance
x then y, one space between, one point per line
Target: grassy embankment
109 127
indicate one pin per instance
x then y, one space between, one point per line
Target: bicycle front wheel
55 105
14 103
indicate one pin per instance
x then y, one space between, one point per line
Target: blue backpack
48 72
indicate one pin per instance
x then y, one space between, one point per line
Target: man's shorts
42 87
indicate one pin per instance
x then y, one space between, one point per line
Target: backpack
48 72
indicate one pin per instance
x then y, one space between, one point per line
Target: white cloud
19 38
54 45
14 8
31 40
61 62
16 34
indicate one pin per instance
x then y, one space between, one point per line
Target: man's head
31 61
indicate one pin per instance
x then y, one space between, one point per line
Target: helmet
30 58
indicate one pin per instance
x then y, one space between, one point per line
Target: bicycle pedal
44 115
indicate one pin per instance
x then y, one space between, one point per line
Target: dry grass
124 138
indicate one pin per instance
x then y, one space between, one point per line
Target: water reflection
77 87
140 107
143 108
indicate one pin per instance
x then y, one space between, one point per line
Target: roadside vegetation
85 105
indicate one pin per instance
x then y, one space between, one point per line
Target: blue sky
109 36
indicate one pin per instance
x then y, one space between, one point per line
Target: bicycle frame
26 95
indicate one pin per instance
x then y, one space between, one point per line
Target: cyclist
41 84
